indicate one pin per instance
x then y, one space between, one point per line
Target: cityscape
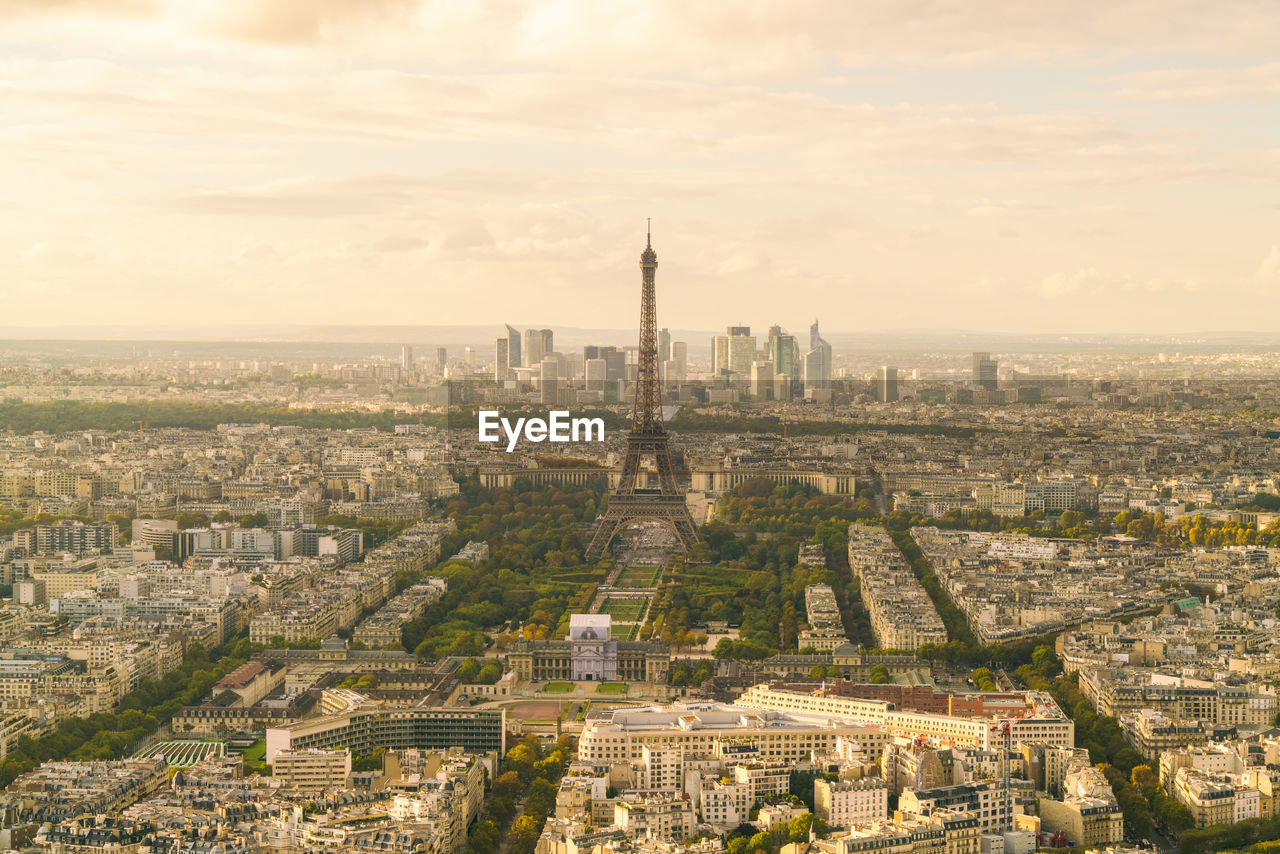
437 428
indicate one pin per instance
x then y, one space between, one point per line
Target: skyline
277 164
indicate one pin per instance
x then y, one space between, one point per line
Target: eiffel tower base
624 510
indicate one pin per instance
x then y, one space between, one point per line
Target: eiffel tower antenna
648 437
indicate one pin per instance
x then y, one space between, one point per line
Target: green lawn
625 610
558 688
640 576
612 688
256 752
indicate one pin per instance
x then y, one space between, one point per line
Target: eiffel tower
648 438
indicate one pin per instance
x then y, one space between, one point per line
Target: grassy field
612 688
626 632
625 610
640 576
558 688
256 752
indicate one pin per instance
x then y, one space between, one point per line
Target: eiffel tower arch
630 502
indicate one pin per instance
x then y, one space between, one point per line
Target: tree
760 842
191 520
507 785
879 675
1144 780
1045 660
798 828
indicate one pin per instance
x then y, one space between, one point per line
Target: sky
1053 166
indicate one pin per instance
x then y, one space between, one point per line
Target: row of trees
1136 786
692 421
952 617
1197 530
526 773
62 416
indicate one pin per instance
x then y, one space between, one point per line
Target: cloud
999 209
1251 83
1269 269
298 22
398 243
788 153
711 40
93 8
300 197
256 252
1089 282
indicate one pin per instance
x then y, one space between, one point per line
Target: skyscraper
537 343
442 357
984 371
515 356
406 358
888 390
501 371
783 351
595 372
664 345
549 380
734 352
762 379
615 359
817 362
680 355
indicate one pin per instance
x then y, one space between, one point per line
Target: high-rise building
783 351
549 381
537 344
680 355
406 358
615 360
515 355
984 371
442 356
596 372
664 345
469 356
501 370
888 390
817 362
734 352
762 380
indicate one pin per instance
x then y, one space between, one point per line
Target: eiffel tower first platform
648 438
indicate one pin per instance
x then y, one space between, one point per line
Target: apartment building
716 729
844 803
312 770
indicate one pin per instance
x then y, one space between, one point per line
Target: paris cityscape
455 428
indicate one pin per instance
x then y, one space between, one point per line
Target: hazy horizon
1049 169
